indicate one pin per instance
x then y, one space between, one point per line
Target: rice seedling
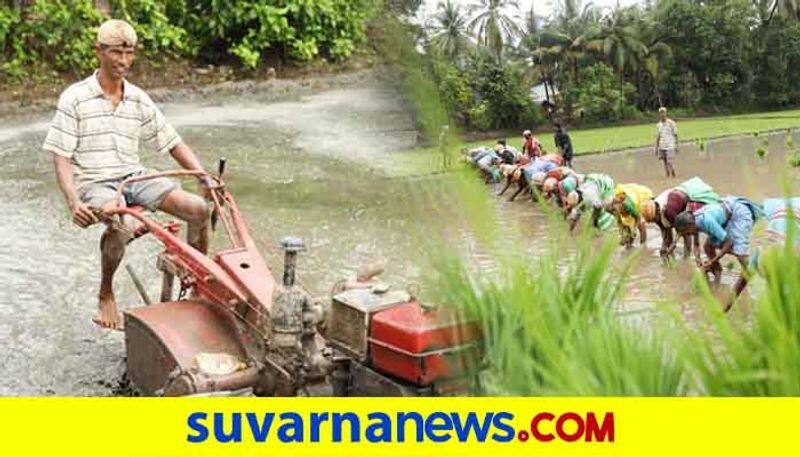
794 159
763 149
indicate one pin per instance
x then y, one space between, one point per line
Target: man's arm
185 157
81 213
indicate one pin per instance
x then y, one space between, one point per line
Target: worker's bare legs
192 209
666 167
670 167
521 186
508 184
666 242
741 283
112 248
642 233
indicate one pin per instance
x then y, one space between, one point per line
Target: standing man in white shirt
94 140
666 141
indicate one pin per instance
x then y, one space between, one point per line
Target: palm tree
530 31
658 52
789 9
618 42
573 15
493 24
628 42
562 43
449 31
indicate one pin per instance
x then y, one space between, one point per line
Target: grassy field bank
633 136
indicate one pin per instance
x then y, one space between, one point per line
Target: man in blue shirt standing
728 224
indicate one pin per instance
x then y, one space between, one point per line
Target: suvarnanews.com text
400 427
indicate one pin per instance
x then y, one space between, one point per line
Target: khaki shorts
148 193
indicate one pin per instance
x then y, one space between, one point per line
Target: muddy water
315 168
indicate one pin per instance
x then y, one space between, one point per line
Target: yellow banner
679 427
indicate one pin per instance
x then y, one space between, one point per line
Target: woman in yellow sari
629 199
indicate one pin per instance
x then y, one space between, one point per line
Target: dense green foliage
296 29
58 35
601 94
501 95
718 55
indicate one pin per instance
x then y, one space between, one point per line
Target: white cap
115 32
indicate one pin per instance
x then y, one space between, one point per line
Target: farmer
629 200
532 176
552 178
666 141
553 186
595 194
487 163
94 140
691 195
507 154
530 147
563 143
728 224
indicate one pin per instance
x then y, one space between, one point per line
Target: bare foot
108 316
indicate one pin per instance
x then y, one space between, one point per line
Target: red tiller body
422 346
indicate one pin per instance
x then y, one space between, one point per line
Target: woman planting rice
627 206
596 193
728 224
691 195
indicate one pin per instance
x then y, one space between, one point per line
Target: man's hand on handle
207 185
82 214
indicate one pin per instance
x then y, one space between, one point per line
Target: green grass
599 140
634 136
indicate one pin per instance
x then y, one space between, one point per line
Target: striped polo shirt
667 134
101 142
